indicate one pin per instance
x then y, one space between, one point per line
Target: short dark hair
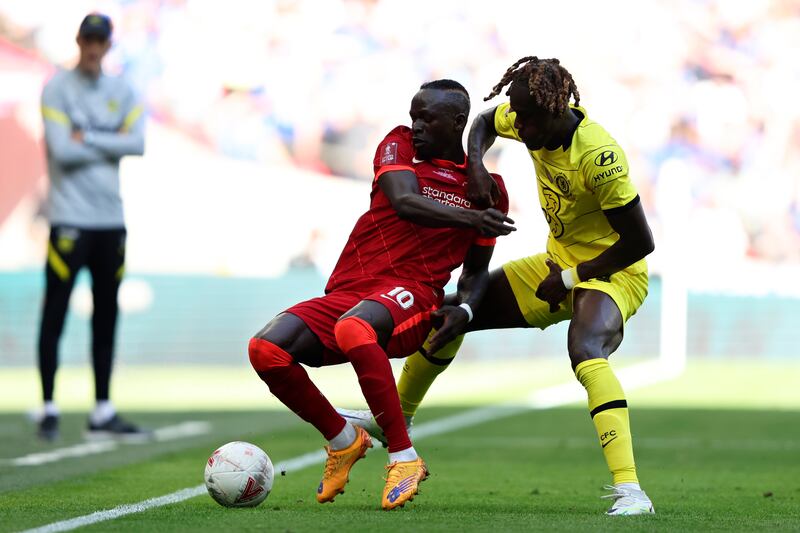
452 86
445 85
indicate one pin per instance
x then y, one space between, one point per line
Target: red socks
290 383
358 341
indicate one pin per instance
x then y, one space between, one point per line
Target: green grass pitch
725 470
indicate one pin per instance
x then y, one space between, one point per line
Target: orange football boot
338 465
402 482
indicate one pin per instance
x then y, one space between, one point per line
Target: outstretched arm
471 287
402 189
481 187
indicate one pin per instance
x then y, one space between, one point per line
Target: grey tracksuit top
84 177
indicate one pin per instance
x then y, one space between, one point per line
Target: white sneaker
629 499
364 419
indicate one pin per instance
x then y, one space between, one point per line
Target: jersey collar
444 163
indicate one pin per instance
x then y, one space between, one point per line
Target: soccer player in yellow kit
592 274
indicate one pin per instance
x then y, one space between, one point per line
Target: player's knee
582 349
266 356
352 332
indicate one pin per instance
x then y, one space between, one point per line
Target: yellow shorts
524 275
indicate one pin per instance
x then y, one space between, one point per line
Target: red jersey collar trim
444 163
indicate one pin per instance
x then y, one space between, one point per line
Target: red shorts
410 305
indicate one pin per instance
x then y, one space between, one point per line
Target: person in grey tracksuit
91 121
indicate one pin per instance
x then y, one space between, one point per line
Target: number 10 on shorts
400 295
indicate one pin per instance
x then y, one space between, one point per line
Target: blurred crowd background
263 117
700 88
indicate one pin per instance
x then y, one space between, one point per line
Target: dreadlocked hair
550 84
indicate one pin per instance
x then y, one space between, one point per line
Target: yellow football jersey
575 186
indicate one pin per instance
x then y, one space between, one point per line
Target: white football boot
363 418
629 499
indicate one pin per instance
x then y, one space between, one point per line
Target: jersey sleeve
605 173
504 122
395 152
58 129
501 205
134 112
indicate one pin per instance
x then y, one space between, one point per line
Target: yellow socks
609 412
419 371
607 404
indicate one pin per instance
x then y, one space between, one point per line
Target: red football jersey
383 245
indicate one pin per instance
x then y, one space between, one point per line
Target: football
239 474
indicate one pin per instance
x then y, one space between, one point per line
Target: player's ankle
402 456
345 438
102 412
50 409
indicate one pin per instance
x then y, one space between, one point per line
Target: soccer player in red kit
384 291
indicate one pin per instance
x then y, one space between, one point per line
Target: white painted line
122 510
632 377
469 418
301 461
167 433
79 450
290 465
642 443
544 399
190 428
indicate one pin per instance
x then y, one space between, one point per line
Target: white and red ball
239 474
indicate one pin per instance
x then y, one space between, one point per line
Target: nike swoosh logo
390 299
606 443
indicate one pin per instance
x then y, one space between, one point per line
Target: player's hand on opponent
492 223
450 321
481 187
552 289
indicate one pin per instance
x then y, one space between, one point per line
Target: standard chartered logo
446 198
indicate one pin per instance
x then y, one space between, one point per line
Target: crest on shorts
65 239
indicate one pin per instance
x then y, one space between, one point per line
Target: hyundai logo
606 158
